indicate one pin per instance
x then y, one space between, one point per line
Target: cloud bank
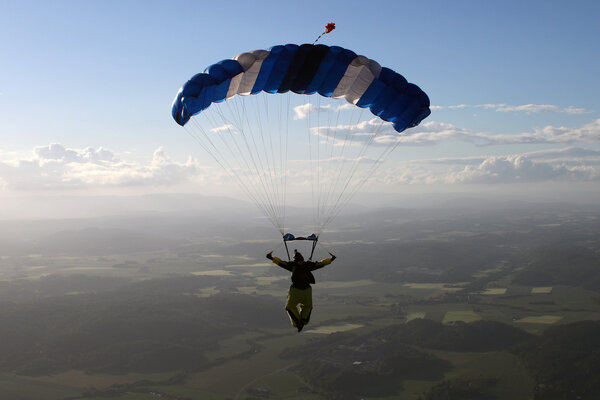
57 167
304 110
527 108
554 165
433 133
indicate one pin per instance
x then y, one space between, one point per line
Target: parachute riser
312 251
287 250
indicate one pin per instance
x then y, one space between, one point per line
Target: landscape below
451 302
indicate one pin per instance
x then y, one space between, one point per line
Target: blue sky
86 87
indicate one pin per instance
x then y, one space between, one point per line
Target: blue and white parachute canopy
306 69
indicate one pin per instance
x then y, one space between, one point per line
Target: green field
414 315
328 329
425 285
207 292
541 290
494 291
248 364
542 319
464 316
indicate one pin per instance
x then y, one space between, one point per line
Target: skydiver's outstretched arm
278 261
323 262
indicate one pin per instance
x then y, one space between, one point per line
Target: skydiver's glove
332 257
270 255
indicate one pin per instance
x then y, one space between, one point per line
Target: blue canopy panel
306 69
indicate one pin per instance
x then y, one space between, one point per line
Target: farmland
205 318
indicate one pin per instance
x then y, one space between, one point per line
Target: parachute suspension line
315 168
322 141
327 186
285 153
387 150
342 181
273 166
243 155
234 109
284 245
281 181
228 169
268 169
331 139
269 156
258 162
252 151
275 157
318 170
240 170
312 250
340 169
236 173
278 170
311 164
348 143
279 167
348 191
235 136
374 168
327 249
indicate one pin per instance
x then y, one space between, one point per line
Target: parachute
275 121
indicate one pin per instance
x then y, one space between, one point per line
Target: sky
86 90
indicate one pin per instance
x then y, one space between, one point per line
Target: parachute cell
306 69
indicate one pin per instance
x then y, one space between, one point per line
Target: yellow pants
299 305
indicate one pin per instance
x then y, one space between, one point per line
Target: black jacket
301 271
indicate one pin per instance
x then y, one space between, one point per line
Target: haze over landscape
132 266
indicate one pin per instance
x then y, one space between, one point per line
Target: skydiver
299 300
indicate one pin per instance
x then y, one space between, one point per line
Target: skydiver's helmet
297 256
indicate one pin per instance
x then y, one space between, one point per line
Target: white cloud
431 133
527 108
554 165
225 128
356 134
334 160
57 167
454 107
536 108
57 153
520 168
302 111
570 155
347 106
